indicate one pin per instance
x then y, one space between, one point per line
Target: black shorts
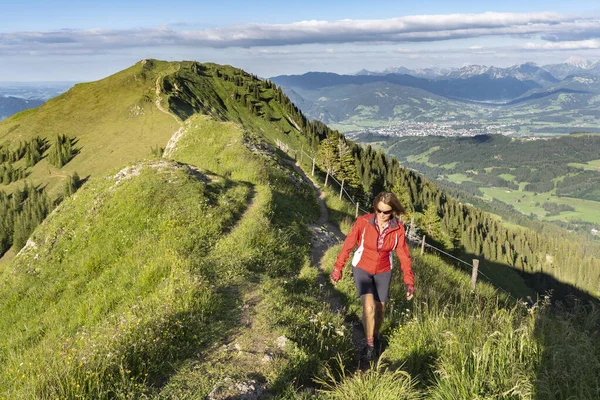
378 285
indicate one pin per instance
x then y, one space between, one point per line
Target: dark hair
391 200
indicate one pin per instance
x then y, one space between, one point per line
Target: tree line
32 151
26 207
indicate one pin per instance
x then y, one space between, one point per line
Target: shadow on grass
199 335
420 364
519 284
319 348
569 367
567 331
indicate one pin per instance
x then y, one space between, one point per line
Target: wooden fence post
342 188
356 213
423 245
474 274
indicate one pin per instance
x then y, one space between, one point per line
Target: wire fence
286 148
479 272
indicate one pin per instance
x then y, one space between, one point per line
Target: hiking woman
377 236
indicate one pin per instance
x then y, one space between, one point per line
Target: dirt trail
325 235
158 100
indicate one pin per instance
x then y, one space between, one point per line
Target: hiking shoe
370 353
377 345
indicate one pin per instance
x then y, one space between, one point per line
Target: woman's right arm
349 243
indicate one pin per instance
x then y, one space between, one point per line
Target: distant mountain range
12 105
479 87
19 96
526 71
567 94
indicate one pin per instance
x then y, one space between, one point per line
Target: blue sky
87 40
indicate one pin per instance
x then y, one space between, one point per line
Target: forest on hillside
28 205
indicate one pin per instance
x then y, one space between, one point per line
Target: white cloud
551 27
575 45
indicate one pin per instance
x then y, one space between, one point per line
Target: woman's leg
379 314
368 317
382 287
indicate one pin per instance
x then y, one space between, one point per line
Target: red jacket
364 233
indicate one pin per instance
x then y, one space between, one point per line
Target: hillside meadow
187 274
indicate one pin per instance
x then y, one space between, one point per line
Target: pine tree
33 211
71 184
256 92
61 151
403 193
347 166
328 156
6 223
431 222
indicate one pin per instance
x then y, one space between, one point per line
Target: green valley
522 173
404 105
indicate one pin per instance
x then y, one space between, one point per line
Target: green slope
127 116
153 260
142 283
115 121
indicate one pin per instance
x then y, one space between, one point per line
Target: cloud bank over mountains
546 31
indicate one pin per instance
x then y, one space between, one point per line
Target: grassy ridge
115 121
153 264
119 258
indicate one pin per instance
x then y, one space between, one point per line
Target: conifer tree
61 151
71 184
256 92
403 193
431 222
33 210
6 222
347 167
328 156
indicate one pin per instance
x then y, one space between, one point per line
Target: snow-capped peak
578 62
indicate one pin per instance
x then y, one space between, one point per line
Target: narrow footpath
325 235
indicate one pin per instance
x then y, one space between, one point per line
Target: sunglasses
388 212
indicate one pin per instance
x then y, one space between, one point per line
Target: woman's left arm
404 256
